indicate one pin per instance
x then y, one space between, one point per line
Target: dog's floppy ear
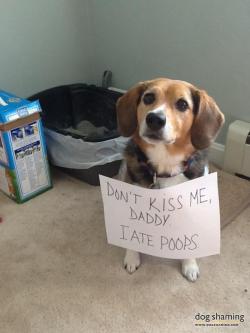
208 120
126 108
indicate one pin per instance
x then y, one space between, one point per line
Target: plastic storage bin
81 130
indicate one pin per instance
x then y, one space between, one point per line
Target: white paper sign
179 222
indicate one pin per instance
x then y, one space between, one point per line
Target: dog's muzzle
156 127
155 121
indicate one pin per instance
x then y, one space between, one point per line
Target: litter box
81 130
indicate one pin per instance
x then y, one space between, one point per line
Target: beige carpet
58 275
234 194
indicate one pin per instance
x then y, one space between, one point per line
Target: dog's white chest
170 181
163 161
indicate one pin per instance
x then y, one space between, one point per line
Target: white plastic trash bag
68 152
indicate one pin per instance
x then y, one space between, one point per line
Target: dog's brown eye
149 98
181 105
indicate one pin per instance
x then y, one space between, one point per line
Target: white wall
206 42
43 44
51 42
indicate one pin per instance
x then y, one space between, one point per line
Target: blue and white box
24 169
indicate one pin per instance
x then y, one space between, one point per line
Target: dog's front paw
131 261
190 269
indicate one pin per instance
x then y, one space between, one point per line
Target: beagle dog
170 124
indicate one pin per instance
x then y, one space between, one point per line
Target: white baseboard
216 154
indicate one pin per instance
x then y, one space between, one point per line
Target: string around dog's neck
147 166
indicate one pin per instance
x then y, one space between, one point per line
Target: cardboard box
24 170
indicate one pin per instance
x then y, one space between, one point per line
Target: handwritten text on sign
181 221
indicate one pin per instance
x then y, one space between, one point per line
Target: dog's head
169 111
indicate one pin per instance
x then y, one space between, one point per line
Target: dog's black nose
156 121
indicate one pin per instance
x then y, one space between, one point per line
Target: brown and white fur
170 122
